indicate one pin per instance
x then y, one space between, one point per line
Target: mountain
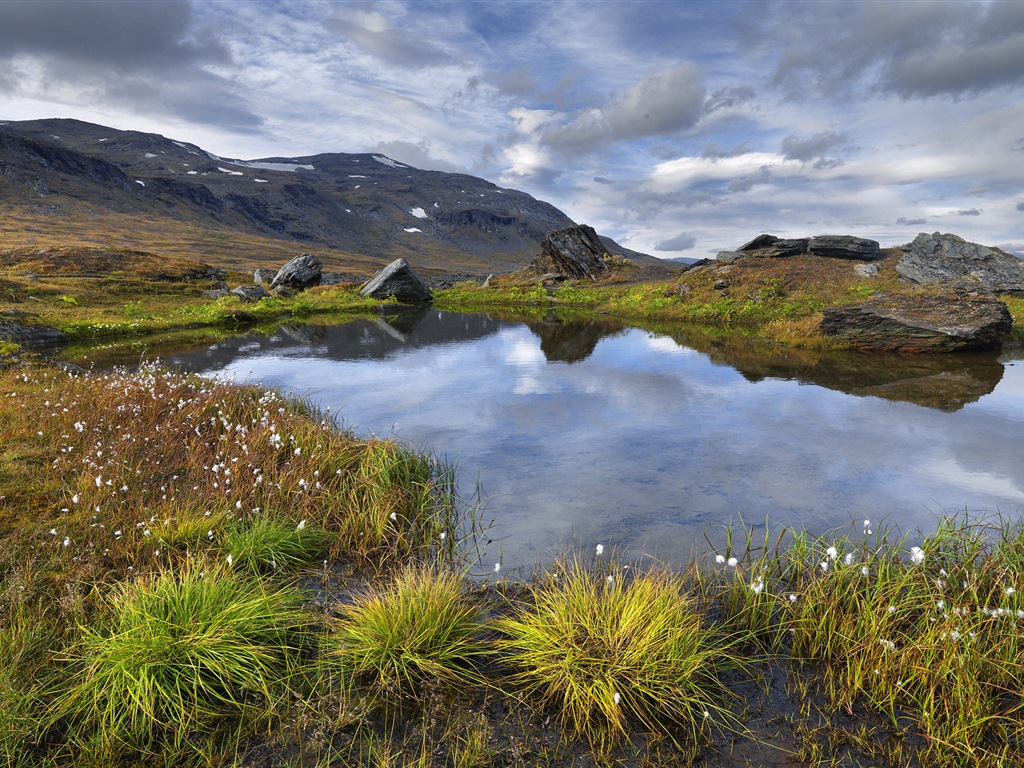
68 179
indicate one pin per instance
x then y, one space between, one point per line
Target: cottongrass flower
599 550
732 562
720 559
832 553
916 555
757 586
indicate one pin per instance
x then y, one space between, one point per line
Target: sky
679 128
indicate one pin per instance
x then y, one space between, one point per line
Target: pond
586 432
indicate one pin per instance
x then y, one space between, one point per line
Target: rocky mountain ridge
356 203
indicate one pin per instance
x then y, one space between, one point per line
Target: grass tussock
418 629
174 655
606 649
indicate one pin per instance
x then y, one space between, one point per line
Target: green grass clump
265 544
175 655
601 649
417 630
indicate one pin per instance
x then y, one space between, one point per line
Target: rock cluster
826 246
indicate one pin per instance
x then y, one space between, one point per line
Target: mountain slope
358 210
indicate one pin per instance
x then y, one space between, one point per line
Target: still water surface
582 433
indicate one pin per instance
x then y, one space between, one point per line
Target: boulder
215 293
574 252
937 258
31 335
263 276
774 247
398 280
921 323
250 293
865 270
299 273
729 257
844 247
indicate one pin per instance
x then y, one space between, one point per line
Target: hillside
65 182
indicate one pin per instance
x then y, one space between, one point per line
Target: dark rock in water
263 276
921 324
774 247
844 247
299 273
397 280
938 258
250 293
573 252
31 335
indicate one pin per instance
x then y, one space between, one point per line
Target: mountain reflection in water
590 429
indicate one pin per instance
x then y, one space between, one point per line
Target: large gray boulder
921 323
299 273
31 336
938 258
844 247
573 252
398 280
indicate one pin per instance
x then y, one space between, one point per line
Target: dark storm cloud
108 33
902 220
681 242
910 49
1020 206
142 55
969 212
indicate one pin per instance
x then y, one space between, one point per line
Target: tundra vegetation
198 573
135 300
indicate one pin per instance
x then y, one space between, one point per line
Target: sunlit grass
413 631
174 654
928 632
604 649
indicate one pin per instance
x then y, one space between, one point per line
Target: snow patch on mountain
388 162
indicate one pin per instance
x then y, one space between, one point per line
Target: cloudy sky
679 128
